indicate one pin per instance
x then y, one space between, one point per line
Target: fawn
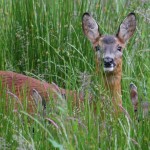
108 49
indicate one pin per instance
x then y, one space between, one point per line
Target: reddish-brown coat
22 86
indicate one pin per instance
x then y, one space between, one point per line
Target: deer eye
97 48
119 48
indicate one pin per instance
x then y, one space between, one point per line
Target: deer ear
36 97
134 96
127 28
90 27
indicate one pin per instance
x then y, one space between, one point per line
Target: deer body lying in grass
23 87
108 49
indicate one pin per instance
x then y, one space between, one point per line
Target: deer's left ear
127 28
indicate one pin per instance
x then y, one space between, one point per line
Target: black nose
108 62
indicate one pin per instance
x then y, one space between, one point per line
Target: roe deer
109 51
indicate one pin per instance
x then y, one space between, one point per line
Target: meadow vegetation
44 39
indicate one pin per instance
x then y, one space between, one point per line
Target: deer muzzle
109 64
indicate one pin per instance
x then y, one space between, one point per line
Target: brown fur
134 96
22 86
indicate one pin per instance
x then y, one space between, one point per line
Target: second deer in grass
108 49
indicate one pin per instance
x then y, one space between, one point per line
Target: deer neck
113 84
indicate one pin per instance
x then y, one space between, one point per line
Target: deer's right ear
90 27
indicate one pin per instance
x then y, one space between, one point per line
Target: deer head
109 48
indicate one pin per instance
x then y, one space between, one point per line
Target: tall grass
44 39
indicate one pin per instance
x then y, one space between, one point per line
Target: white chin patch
110 69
